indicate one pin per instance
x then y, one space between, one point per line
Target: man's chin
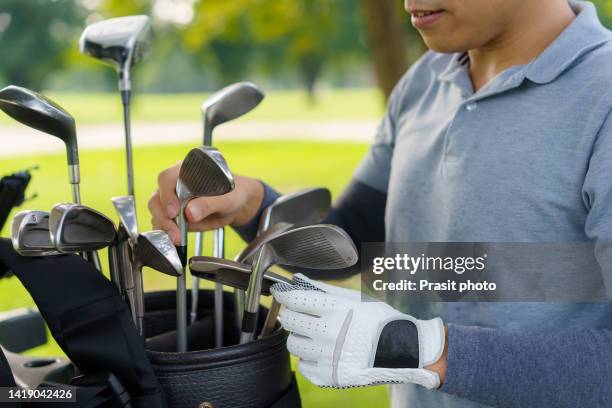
443 46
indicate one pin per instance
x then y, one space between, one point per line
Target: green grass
337 104
288 166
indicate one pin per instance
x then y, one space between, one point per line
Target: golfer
502 132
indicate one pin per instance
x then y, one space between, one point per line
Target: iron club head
227 104
77 228
304 207
126 210
156 250
312 247
121 42
30 234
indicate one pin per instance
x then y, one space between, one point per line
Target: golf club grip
249 325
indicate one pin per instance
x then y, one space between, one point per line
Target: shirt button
471 106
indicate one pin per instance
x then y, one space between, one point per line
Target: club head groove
204 172
314 247
305 207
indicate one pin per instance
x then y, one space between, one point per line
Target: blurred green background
322 62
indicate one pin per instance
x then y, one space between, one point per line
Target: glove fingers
300 323
306 301
304 348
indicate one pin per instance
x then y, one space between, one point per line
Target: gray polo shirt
527 158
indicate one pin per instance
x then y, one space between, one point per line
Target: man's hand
344 342
205 213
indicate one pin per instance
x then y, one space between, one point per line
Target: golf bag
254 375
92 325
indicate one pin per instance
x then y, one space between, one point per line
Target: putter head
204 172
126 210
156 250
41 113
121 42
320 246
304 207
230 103
230 273
77 228
30 234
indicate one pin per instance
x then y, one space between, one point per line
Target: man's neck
524 39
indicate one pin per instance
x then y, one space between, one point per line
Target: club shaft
128 141
270 321
195 281
251 307
181 287
115 269
219 252
125 262
138 298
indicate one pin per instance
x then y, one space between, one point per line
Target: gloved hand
342 342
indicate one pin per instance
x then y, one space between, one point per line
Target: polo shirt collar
584 34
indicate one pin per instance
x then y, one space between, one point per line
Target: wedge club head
121 42
313 247
30 234
77 228
227 104
39 112
204 172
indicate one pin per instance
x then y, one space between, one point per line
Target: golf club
121 42
75 228
246 256
38 112
30 234
204 172
227 104
155 250
305 207
312 247
125 208
230 273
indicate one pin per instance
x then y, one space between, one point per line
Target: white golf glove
342 342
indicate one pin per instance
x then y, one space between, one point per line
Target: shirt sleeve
375 168
566 368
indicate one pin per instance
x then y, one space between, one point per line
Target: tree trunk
385 34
